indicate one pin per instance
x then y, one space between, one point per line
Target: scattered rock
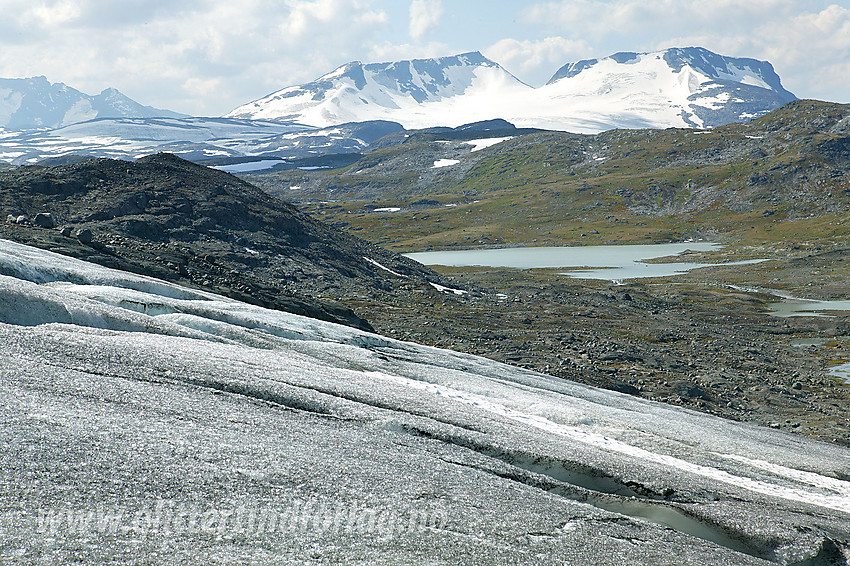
44 220
621 387
85 236
22 219
617 356
11 219
689 390
67 231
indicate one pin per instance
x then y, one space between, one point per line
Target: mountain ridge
367 88
173 219
676 87
36 103
787 170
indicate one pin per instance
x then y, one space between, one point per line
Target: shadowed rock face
170 218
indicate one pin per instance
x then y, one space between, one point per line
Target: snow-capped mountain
36 103
690 87
416 93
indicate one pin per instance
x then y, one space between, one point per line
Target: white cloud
209 56
637 18
812 52
536 61
166 54
51 14
424 16
306 17
387 51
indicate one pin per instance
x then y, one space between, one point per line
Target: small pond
803 307
841 372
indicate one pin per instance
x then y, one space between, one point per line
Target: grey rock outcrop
85 236
44 220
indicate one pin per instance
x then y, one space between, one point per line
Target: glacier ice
158 404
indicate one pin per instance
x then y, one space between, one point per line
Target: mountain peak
381 91
37 103
713 66
705 89
678 87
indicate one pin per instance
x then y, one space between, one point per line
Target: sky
206 57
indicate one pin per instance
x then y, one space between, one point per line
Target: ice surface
126 393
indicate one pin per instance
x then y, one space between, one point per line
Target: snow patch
442 289
478 145
378 265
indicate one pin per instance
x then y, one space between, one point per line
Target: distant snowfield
132 394
122 138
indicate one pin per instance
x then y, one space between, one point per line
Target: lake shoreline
614 263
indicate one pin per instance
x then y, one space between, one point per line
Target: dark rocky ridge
176 220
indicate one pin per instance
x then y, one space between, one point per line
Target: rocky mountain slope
776 187
170 218
36 103
782 176
690 87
